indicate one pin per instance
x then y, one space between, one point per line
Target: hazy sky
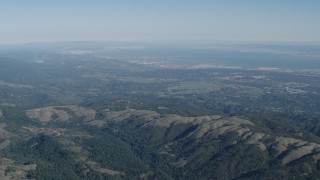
238 20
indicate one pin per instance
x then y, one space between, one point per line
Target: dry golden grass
298 148
18 171
60 113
